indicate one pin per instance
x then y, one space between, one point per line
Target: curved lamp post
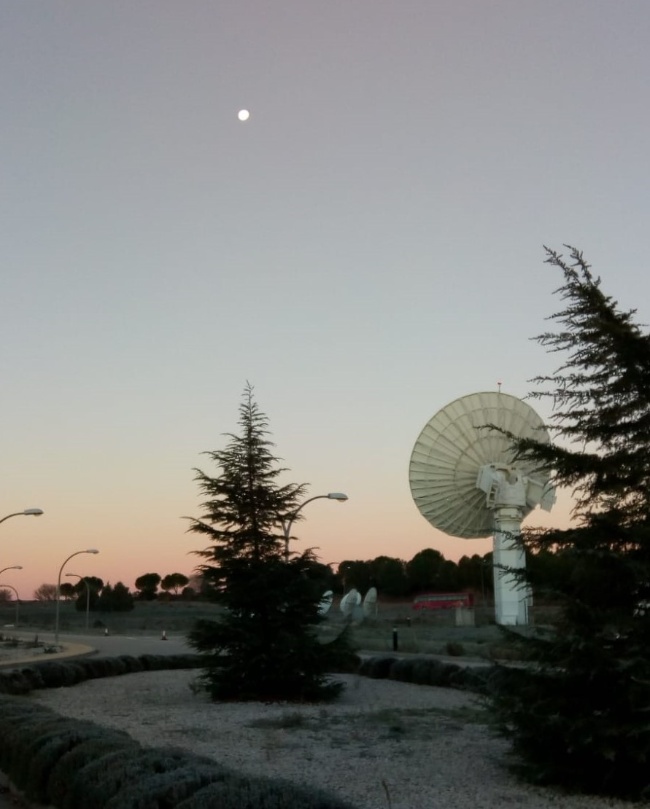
58 590
13 567
28 512
17 599
85 581
288 521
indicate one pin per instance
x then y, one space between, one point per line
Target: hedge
59 673
68 763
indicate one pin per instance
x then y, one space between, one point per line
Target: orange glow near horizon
336 532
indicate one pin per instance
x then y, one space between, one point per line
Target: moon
243 115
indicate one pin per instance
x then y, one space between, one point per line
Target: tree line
90 592
427 571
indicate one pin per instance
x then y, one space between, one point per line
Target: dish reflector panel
452 448
325 602
349 601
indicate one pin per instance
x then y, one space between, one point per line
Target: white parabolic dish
454 445
325 602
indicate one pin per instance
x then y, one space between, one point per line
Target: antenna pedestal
511 596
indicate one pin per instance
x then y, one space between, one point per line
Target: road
135 645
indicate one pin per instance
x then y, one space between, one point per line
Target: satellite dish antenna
370 603
325 603
349 601
465 481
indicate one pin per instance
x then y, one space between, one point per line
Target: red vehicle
442 601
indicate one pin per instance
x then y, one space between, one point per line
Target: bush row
67 763
419 670
429 671
58 673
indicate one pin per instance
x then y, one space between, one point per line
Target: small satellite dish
465 481
370 603
326 602
349 601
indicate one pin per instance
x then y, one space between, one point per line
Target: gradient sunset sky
364 249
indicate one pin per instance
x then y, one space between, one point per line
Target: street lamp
85 581
13 567
28 512
58 591
17 600
287 522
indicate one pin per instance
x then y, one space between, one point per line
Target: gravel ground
383 744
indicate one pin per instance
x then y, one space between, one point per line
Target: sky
364 249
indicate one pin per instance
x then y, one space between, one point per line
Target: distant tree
322 575
577 714
90 597
425 571
147 586
264 646
476 573
105 600
548 570
355 574
195 582
200 587
122 598
67 590
46 592
6 595
450 579
389 576
173 581
115 599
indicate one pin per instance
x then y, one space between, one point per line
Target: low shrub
132 664
376 667
153 662
44 751
427 671
14 682
105 781
65 673
96 667
454 649
67 774
32 676
402 670
167 788
87 784
17 735
66 763
431 671
236 792
57 674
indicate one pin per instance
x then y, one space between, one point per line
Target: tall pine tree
264 646
579 713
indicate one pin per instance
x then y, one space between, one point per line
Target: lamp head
337 496
91 550
34 512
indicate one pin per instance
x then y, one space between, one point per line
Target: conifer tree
578 714
264 646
